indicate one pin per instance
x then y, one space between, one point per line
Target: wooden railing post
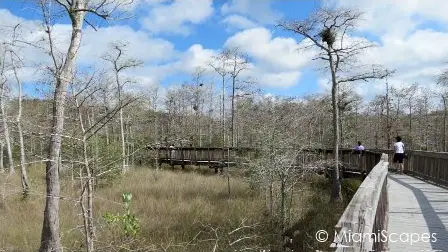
367 213
158 157
171 152
182 157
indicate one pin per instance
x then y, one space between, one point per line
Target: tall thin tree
327 29
119 65
62 71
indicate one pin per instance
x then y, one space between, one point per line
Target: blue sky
185 32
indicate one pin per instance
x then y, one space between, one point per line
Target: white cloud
405 41
140 45
176 17
277 79
422 47
152 51
277 53
238 22
324 84
394 17
259 10
195 56
153 2
277 60
417 53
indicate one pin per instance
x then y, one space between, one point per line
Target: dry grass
178 211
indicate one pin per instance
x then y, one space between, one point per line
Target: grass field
177 211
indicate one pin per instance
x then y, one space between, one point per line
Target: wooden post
182 157
228 170
208 156
158 158
196 158
171 151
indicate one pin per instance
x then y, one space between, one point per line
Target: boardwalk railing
365 218
364 162
215 156
430 166
210 156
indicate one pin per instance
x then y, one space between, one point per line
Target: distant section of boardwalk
417 208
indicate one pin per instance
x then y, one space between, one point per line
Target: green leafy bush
130 223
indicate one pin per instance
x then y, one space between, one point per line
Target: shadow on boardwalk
423 208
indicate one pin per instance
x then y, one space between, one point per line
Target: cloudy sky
172 38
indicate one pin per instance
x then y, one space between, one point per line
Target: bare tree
62 71
198 100
279 166
347 102
220 64
10 48
84 88
2 167
120 64
24 176
424 106
238 62
211 94
442 81
3 87
326 29
87 183
388 121
410 97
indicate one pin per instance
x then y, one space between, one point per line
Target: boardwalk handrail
204 155
430 166
360 226
426 165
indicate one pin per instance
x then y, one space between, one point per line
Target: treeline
421 121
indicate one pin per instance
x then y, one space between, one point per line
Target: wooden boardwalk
412 211
420 208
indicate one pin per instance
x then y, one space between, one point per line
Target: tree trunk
2 167
210 137
336 187
341 128
445 114
233 111
123 143
50 240
223 112
24 177
122 135
426 138
87 213
410 124
6 129
283 203
387 117
356 124
106 129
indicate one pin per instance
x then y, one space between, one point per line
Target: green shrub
349 188
321 214
130 223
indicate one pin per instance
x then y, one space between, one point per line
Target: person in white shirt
358 149
399 155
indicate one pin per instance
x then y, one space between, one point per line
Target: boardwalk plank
420 208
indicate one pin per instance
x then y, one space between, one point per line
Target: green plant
349 188
129 221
